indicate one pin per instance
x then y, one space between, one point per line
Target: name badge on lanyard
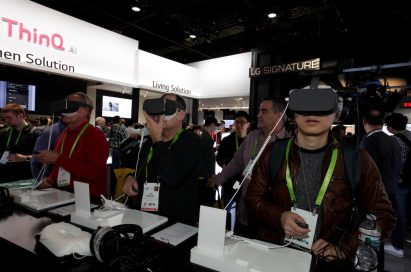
151 194
248 170
309 217
304 242
4 158
63 177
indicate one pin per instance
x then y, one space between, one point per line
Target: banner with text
164 75
306 65
37 37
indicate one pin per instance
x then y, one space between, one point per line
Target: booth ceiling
226 27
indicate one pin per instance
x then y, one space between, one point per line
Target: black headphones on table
107 243
6 202
124 248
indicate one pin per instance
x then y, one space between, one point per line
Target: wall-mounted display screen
22 94
112 106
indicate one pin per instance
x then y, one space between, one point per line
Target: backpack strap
352 165
277 157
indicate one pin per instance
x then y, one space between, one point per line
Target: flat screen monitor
112 106
22 94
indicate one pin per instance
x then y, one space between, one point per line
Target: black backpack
129 149
352 162
406 170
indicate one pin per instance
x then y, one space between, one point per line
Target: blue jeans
400 207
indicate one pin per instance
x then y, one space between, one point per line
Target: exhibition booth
46 55
108 66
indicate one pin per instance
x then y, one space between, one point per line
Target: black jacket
176 167
18 144
386 153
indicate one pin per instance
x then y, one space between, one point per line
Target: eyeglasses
240 122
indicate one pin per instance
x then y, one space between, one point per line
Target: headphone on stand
124 248
6 202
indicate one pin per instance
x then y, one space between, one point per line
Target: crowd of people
172 172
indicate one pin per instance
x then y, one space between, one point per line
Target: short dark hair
116 119
43 120
278 106
397 121
129 122
210 120
374 117
195 127
242 114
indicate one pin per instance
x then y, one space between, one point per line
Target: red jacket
88 161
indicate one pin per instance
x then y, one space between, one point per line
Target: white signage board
164 75
224 77
40 38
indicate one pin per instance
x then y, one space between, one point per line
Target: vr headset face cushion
323 101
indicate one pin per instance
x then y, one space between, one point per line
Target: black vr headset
66 106
161 106
313 101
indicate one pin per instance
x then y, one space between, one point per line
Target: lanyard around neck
150 153
326 180
83 129
236 142
18 136
255 147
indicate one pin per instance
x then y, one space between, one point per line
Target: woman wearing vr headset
310 200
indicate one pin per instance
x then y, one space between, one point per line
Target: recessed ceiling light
271 15
136 9
192 36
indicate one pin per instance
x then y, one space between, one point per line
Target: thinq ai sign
36 37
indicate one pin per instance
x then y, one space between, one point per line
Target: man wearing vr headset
81 151
166 179
310 196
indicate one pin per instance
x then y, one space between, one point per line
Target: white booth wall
77 44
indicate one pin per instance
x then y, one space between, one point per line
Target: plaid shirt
404 148
118 134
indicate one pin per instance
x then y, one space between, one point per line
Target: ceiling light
271 15
136 9
192 36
